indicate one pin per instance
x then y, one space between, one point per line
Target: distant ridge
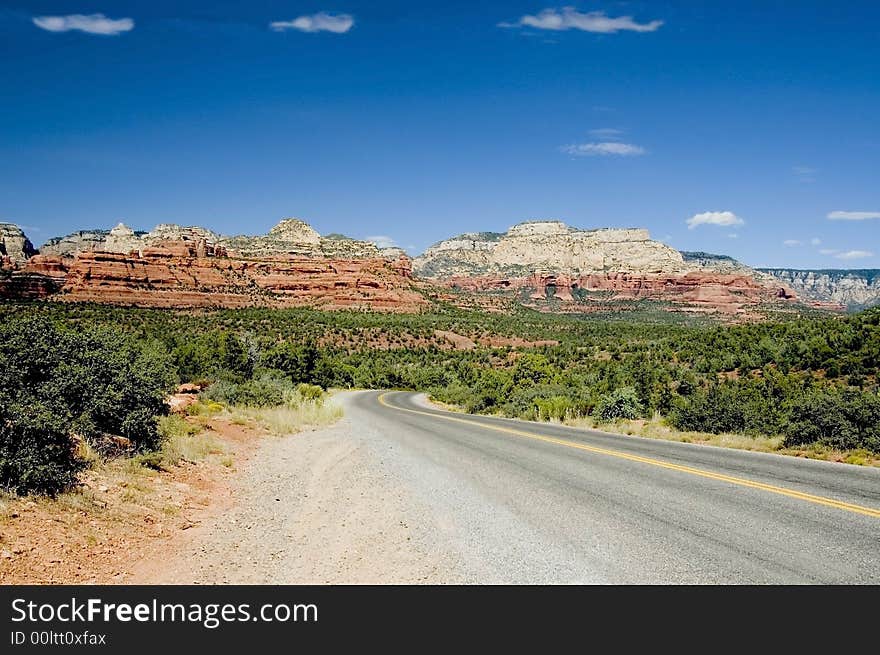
855 289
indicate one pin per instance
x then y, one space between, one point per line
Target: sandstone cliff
693 291
853 289
544 264
551 265
291 236
197 274
15 247
551 246
176 266
75 243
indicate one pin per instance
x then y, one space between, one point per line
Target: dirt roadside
316 507
121 515
311 508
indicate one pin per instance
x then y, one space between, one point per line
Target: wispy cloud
792 243
714 218
91 24
852 216
804 173
568 18
382 241
846 254
320 22
854 254
603 148
815 241
732 235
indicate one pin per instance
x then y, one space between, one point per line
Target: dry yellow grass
122 509
295 414
657 428
287 419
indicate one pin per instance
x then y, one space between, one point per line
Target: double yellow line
742 482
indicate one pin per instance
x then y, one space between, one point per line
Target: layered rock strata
728 293
196 274
852 289
548 245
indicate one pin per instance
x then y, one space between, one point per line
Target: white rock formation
14 244
549 246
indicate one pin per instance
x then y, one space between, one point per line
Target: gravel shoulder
316 507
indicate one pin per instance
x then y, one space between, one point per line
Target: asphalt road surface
540 503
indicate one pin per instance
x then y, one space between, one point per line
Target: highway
524 502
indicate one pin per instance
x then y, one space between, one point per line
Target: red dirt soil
98 533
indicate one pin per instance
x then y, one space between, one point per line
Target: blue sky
756 121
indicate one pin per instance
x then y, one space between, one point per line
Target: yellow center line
742 482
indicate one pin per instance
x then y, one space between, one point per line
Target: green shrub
310 392
175 426
212 354
620 403
296 362
36 451
59 382
848 420
554 408
260 393
272 389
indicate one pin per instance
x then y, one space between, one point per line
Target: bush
719 409
175 426
214 354
848 420
57 383
36 451
310 392
554 408
271 390
623 402
545 401
297 362
264 392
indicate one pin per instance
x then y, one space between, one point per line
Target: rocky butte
544 264
15 247
174 266
555 266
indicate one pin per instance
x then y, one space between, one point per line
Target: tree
623 402
58 385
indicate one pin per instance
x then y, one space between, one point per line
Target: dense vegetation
60 386
810 379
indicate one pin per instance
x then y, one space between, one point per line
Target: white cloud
91 24
714 218
320 22
852 216
792 243
568 18
732 235
382 241
815 241
854 254
603 148
846 254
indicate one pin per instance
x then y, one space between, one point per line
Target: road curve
540 503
